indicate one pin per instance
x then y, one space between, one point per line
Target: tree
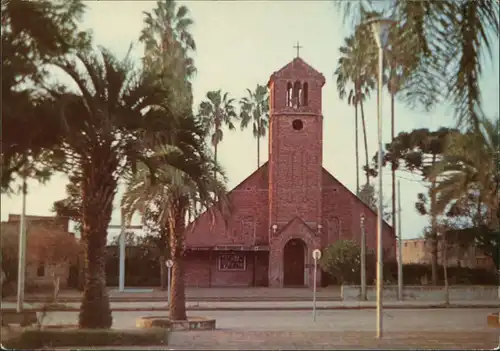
33 32
168 45
471 165
468 184
215 112
255 110
342 260
449 38
354 68
184 193
130 239
418 152
368 195
101 129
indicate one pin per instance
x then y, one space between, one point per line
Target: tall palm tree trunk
258 151
356 148
177 308
215 159
363 122
98 192
434 234
393 169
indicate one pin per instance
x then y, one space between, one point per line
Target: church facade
287 208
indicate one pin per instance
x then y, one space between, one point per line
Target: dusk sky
239 45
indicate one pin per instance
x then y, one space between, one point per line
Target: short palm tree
101 127
471 166
355 67
185 193
216 112
255 110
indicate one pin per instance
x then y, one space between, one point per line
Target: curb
299 308
201 299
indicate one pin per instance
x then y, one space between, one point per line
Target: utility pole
363 258
400 248
21 267
121 282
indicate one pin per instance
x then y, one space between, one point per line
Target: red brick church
288 207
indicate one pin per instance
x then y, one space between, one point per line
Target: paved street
437 329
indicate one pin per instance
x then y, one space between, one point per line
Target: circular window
297 124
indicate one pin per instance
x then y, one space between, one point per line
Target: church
288 207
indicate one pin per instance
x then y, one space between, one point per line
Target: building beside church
287 208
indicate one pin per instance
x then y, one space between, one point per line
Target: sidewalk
198 294
271 306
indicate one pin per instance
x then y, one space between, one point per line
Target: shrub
51 338
342 260
414 273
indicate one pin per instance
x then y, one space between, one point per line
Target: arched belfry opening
294 263
297 91
289 90
305 94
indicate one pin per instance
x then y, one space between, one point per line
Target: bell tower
295 145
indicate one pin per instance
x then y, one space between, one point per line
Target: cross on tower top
298 47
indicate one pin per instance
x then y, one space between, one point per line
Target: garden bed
71 336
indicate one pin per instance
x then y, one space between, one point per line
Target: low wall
425 293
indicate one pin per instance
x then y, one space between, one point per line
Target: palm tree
448 38
101 127
355 67
215 112
255 109
33 32
399 65
168 45
184 193
471 167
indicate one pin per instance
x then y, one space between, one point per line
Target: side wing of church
287 208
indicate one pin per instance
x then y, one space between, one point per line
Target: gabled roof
298 69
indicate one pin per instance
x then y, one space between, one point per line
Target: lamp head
380 28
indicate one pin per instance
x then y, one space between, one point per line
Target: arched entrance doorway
294 256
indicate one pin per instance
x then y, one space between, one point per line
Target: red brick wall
202 270
342 211
295 178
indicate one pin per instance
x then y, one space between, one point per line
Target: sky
239 45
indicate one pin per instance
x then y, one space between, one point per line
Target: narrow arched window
305 95
289 94
296 94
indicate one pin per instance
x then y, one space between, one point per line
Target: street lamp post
380 28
